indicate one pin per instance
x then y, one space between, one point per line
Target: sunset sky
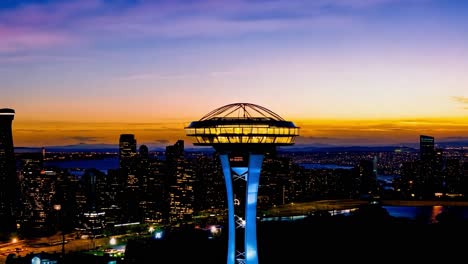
348 72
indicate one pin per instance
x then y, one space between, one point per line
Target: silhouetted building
427 177
438 167
143 152
38 189
92 218
66 187
453 177
180 185
128 160
410 185
367 178
115 196
127 154
426 148
153 205
8 178
209 190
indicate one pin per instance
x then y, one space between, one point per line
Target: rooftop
7 111
242 123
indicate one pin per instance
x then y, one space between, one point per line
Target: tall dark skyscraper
180 185
143 151
127 147
426 148
8 179
128 159
367 177
427 176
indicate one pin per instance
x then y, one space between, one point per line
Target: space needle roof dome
242 123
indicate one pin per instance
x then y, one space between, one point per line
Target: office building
180 185
8 177
426 148
128 172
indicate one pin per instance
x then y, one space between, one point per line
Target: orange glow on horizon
312 131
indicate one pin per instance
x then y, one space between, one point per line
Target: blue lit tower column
242 133
8 181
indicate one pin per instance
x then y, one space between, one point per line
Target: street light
58 208
113 241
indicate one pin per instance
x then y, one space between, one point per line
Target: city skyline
347 72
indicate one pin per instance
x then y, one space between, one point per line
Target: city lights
158 235
138 131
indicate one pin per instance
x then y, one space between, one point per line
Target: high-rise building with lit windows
127 149
242 134
8 178
180 185
128 173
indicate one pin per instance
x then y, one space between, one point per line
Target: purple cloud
34 26
14 39
55 24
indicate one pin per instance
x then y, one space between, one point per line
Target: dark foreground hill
368 235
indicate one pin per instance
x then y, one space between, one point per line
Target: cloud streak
162 141
155 76
57 24
462 100
17 39
85 139
42 26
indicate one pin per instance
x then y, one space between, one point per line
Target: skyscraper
143 151
128 174
8 179
127 148
426 148
367 178
180 185
93 186
427 178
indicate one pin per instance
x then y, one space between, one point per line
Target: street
51 244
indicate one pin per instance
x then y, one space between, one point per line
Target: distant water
318 166
423 214
427 214
100 164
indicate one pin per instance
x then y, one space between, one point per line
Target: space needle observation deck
242 133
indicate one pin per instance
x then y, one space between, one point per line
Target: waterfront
421 211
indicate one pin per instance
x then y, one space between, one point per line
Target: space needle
242 133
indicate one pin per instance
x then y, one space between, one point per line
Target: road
24 247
